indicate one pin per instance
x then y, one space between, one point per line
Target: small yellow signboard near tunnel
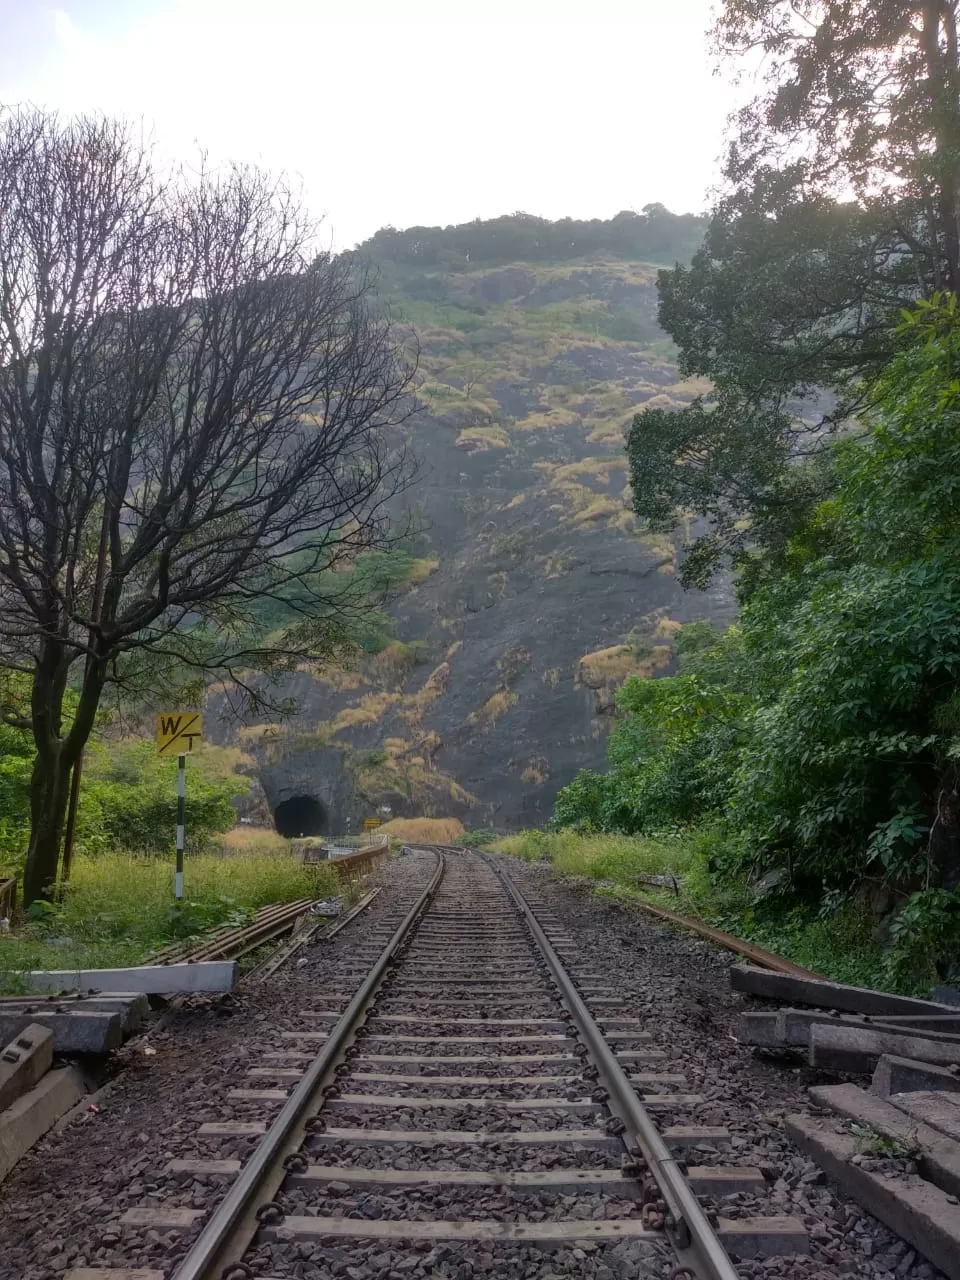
371 824
177 732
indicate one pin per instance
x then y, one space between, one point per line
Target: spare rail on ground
759 956
299 941
233 941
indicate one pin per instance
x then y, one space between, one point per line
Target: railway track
464 1097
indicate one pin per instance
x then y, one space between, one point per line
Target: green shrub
926 940
478 838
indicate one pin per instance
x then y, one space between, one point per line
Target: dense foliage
791 305
128 800
654 235
822 733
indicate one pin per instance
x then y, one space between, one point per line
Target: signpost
176 734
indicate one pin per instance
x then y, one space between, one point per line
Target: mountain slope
532 595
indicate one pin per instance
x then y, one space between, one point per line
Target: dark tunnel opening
300 816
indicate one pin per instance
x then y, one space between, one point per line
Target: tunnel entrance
300 816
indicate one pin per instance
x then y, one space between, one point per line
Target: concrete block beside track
758 1237
941 1111
152 979
113 1273
920 1212
25 1061
894 1074
939 1156
133 1006
788 989
758 1029
840 1047
72 1032
35 1112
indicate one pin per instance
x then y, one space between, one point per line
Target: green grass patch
840 945
119 908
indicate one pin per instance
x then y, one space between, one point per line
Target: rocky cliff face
533 595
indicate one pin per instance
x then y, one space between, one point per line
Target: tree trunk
57 754
944 848
49 791
943 86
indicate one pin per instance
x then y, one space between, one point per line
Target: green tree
839 210
674 750
195 411
825 731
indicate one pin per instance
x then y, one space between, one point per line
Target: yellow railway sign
371 824
178 731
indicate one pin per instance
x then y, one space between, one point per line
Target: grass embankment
839 945
423 830
119 908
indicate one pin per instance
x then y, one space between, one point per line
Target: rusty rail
765 959
232 941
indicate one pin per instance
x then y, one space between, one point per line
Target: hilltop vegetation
653 235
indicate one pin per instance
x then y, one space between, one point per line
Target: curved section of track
473 1096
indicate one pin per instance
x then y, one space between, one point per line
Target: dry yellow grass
658 544
598 469
257 732
689 388
423 569
494 707
598 509
367 711
610 667
547 421
341 678
252 840
661 401
483 439
666 628
424 830
433 687
608 430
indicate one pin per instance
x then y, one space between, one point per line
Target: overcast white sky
420 111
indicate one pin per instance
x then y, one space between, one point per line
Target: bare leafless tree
196 415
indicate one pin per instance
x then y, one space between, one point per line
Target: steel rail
285 953
223 1240
690 1231
759 955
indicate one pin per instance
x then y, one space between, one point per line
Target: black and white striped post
181 796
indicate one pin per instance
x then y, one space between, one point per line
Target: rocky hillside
532 594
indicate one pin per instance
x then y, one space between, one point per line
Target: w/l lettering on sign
177 732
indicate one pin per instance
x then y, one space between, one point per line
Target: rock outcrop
534 595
